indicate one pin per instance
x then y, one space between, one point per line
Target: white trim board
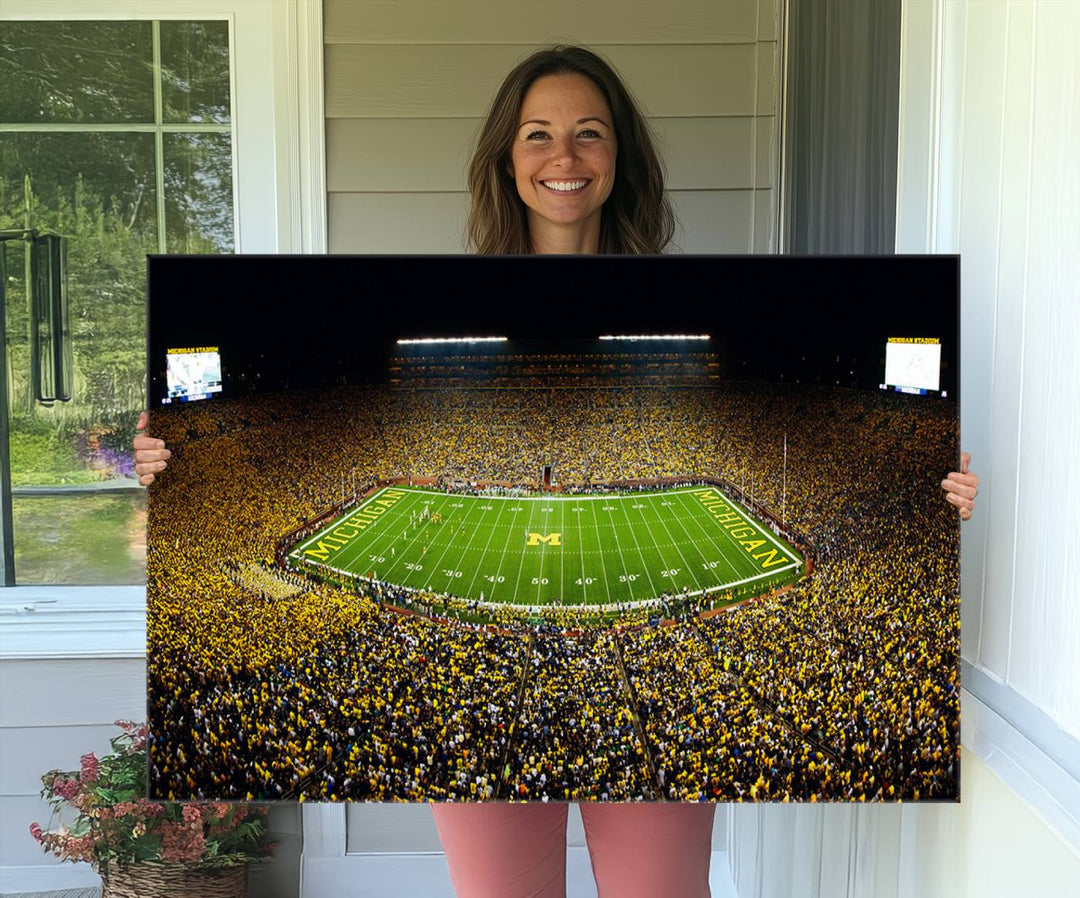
39 622
1041 773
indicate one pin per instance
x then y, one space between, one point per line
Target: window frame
277 121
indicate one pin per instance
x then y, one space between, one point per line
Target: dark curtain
843 90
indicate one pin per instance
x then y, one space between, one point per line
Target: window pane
198 193
98 191
76 72
81 539
195 71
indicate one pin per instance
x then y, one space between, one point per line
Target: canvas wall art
554 529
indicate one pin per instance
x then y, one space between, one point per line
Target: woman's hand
150 454
961 487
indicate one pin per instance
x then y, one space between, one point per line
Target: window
116 135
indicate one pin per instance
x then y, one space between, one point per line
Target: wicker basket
150 880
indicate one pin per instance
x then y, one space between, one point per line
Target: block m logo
552 539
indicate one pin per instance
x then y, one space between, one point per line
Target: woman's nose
564 149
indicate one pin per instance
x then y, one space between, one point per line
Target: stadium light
413 340
634 337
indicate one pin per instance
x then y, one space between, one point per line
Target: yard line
581 558
745 515
562 558
703 581
399 559
728 539
344 520
479 564
543 552
348 554
603 564
633 534
442 523
387 532
663 520
498 571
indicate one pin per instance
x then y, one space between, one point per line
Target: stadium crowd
845 687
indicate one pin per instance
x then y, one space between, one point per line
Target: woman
565 164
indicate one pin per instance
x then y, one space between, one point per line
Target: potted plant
143 847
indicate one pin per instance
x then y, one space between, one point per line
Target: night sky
313 321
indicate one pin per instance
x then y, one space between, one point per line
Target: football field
540 549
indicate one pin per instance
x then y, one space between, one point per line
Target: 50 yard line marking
543 553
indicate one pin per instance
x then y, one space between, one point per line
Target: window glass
117 183
198 193
83 539
195 71
97 190
64 72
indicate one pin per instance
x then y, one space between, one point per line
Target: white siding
408 84
1007 188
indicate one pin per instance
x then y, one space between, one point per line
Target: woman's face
563 155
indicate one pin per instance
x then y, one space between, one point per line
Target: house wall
61 704
408 83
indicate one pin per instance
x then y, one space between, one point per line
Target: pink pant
519 850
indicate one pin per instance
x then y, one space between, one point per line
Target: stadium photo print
551 528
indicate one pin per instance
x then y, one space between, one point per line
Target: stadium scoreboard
913 365
192 373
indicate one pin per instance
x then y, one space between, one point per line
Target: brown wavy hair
637 216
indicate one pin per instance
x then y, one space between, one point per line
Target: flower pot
174 881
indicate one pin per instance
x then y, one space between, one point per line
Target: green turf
611 548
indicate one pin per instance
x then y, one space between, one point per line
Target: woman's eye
536 135
589 132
